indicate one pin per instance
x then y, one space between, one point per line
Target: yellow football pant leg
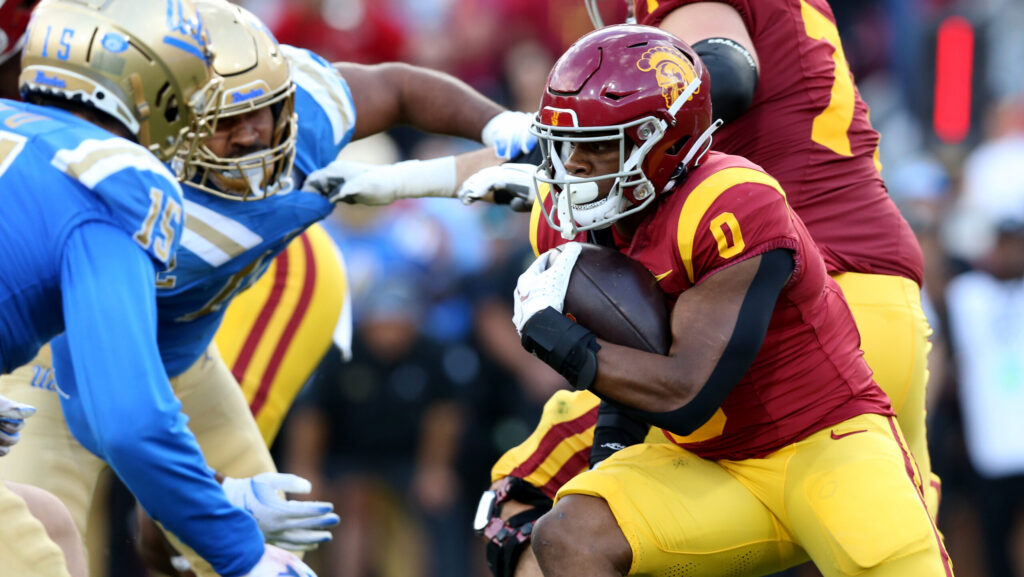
275 332
220 419
894 335
25 548
49 457
851 504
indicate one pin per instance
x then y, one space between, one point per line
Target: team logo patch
114 42
673 71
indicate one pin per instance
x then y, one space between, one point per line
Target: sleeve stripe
298 314
214 237
703 196
551 444
574 466
94 160
326 87
535 215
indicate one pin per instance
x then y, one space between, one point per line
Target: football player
227 244
798 115
780 446
91 215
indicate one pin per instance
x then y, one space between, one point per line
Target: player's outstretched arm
389 94
380 184
119 404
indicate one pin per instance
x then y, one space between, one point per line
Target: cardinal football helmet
14 15
145 63
255 74
637 88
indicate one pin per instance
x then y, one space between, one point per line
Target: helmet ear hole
171 111
678 146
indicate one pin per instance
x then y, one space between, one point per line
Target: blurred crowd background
401 437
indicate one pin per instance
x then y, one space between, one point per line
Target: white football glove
380 184
12 420
294 525
510 183
279 563
544 283
509 133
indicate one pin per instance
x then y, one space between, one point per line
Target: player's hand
509 134
294 525
544 283
278 562
508 183
330 179
380 184
12 420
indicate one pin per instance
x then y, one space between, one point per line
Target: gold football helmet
255 75
146 63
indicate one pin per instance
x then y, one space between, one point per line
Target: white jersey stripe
325 86
227 235
203 248
94 160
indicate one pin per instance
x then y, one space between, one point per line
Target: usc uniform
808 127
803 458
226 246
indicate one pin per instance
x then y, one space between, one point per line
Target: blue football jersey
57 172
228 244
87 219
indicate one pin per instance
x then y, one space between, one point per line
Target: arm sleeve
119 403
745 342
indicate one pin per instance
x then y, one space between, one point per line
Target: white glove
509 133
277 563
511 184
12 420
380 184
544 284
294 525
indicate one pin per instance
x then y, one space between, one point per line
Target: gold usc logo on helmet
145 63
673 71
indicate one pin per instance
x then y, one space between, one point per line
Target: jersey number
731 244
159 238
832 125
11 145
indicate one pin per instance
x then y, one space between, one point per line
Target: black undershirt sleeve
733 76
751 327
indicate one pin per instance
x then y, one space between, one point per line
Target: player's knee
580 527
54 516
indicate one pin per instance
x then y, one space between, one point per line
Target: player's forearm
436 102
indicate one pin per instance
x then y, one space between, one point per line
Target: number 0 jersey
58 172
808 127
809 373
228 244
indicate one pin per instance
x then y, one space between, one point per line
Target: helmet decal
191 28
673 71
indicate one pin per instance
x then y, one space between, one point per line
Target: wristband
564 345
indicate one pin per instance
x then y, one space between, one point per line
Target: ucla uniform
225 246
87 220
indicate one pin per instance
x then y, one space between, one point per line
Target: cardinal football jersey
809 373
808 127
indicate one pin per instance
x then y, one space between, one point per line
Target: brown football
618 300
